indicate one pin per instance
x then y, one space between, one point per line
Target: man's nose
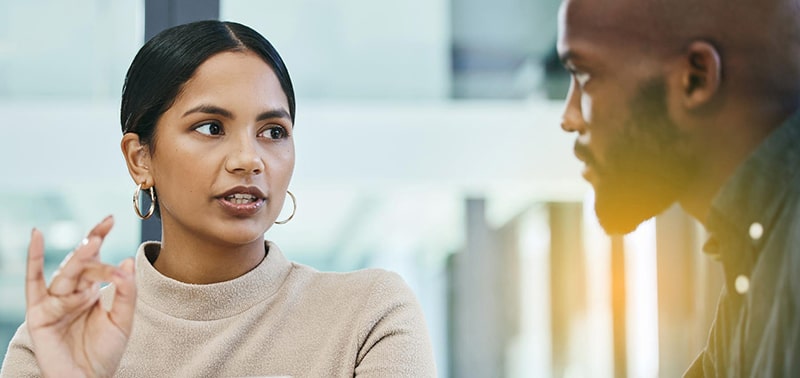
572 118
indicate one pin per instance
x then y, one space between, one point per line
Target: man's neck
735 139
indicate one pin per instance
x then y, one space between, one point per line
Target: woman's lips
242 201
240 207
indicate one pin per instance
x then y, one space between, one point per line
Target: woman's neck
198 261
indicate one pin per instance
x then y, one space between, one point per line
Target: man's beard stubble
647 166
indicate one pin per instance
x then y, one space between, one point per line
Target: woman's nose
244 157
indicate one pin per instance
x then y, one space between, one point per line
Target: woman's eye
209 129
275 133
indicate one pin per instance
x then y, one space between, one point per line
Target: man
698 102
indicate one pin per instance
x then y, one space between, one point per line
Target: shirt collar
747 206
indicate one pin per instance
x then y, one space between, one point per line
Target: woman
207 115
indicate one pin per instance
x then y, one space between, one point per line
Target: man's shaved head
758 40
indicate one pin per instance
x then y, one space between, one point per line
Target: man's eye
275 132
581 78
209 129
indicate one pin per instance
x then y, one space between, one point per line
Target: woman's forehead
234 78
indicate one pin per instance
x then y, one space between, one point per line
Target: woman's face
224 154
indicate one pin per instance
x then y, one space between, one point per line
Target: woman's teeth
240 198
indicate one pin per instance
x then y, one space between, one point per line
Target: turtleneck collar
212 301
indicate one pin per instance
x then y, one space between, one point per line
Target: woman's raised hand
72 334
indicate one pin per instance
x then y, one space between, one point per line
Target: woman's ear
137 157
701 72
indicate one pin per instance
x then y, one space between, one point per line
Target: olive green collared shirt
754 227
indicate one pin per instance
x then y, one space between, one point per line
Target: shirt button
756 230
742 284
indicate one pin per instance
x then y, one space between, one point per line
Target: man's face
636 158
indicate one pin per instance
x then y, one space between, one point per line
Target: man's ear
701 72
137 157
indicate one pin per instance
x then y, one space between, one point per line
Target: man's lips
583 154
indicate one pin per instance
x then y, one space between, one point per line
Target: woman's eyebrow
274 113
209 109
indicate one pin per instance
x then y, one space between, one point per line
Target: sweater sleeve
396 342
20 362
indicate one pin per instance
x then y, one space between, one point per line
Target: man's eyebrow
209 109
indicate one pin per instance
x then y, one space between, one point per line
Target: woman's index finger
35 286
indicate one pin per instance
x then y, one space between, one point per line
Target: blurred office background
428 143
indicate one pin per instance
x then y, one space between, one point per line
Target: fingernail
84 241
108 217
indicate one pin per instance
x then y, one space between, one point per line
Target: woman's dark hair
167 61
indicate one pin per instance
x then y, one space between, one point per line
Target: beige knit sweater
280 319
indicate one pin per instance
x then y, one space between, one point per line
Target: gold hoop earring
294 209
152 208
